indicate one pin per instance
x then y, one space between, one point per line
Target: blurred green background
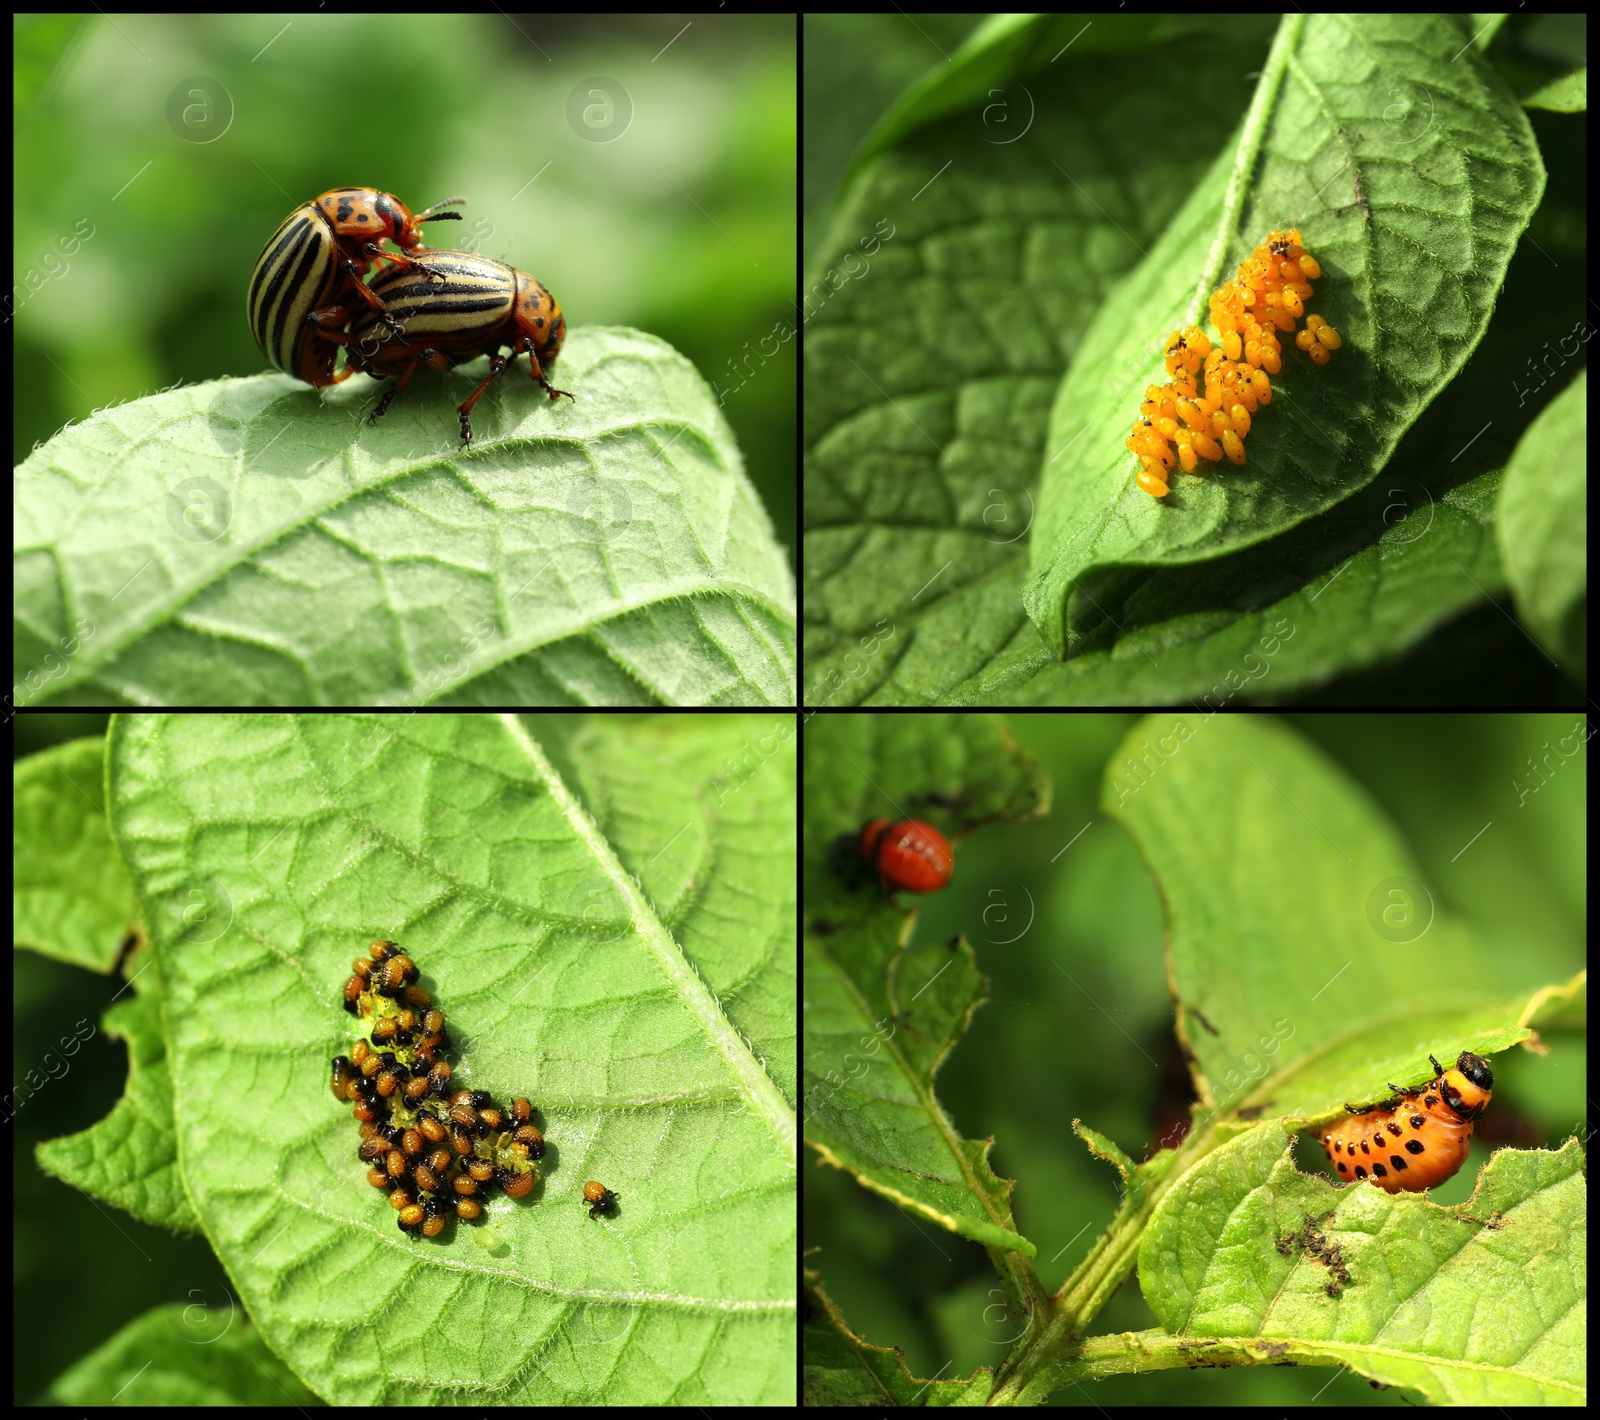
857 66
1079 1024
642 166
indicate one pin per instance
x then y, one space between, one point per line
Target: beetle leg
412 262
428 271
353 270
321 379
431 359
537 371
383 404
330 321
497 363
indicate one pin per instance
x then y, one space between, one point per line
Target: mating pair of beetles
307 300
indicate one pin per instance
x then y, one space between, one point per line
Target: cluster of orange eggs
1204 410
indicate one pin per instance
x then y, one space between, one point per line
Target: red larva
909 855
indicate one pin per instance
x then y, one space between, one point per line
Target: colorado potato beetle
1418 1138
306 285
477 306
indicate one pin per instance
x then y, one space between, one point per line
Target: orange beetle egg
1204 408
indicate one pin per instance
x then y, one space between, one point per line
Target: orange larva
398 972
517 1185
343 1073
430 1128
398 1090
1420 1137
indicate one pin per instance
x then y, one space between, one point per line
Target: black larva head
1476 1069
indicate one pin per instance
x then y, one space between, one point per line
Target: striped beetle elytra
477 306
306 286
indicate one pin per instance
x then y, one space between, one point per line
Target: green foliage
1395 1287
1311 958
609 552
58 805
605 907
648 181
881 1018
1332 429
1544 497
182 1356
1024 226
129 1159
